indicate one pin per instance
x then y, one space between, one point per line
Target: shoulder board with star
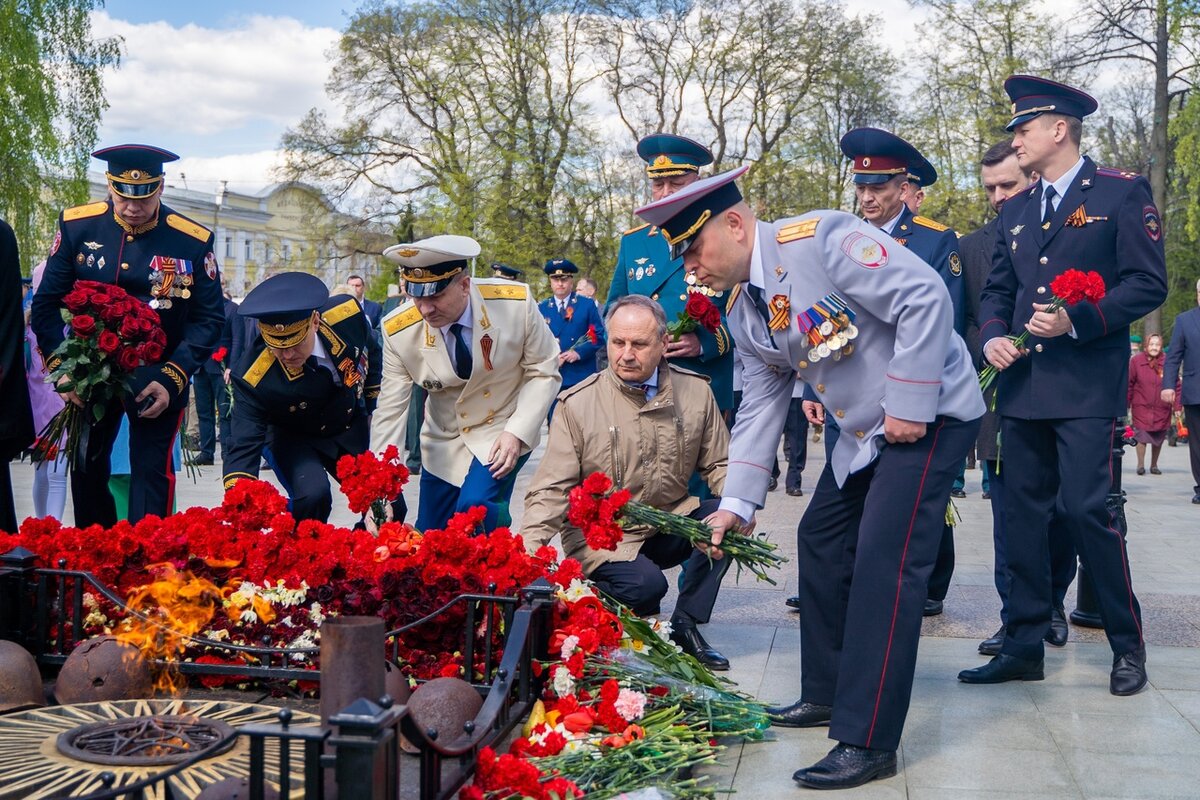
185 225
804 229
513 291
342 311
399 320
83 212
259 368
1109 172
643 226
926 222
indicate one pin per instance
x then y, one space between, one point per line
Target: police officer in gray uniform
869 326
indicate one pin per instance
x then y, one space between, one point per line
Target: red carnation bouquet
219 355
371 483
601 514
700 312
110 335
1070 288
589 335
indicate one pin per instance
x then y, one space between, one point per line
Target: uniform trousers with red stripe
865 553
1067 462
151 466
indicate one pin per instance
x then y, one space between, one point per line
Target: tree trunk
1158 139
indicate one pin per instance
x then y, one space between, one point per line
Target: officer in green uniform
306 387
645 267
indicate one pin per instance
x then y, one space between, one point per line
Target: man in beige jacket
480 349
649 426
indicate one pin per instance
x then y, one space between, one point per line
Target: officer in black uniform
165 259
306 387
1059 398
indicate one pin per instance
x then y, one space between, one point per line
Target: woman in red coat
1151 416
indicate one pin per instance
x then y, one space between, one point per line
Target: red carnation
219 354
1075 286
83 325
591 335
109 342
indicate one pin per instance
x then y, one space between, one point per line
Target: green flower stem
988 374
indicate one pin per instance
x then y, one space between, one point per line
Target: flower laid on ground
600 514
372 482
219 355
111 334
1070 288
700 312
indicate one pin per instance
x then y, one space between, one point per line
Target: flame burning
176 606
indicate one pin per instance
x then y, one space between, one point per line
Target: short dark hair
1074 126
998 153
352 277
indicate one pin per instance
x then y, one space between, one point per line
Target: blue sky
230 13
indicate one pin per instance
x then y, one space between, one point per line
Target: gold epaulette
83 212
511 291
733 296
341 311
804 229
398 322
926 222
259 368
185 225
635 230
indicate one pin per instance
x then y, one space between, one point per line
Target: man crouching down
649 426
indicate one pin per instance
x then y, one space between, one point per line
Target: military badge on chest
351 377
828 325
695 287
169 278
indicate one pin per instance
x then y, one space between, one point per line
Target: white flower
564 684
631 705
568 646
577 591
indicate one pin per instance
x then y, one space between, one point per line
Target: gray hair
640 301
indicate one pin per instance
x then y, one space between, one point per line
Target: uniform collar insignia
1086 182
779 273
1017 230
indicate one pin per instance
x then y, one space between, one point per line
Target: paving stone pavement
1065 737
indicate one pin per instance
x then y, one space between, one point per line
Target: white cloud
244 172
203 81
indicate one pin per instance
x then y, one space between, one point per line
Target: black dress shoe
1004 668
847 766
1057 635
687 637
800 715
957 493
203 461
793 602
991 645
772 484
795 491
1196 499
1128 673
932 607
985 496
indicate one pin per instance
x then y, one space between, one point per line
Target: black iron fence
43 609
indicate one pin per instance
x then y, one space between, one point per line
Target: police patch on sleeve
57 242
210 266
865 251
1152 223
955 265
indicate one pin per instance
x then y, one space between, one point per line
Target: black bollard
1087 611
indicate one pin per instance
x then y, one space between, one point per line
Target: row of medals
156 289
832 337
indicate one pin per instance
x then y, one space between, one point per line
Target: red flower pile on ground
595 511
110 335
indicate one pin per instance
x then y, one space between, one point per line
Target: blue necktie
462 353
1049 212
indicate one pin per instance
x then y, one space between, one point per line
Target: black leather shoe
795 491
793 602
958 493
1004 668
1128 673
800 715
847 766
991 645
985 496
932 607
203 461
686 636
1196 499
1057 635
772 484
